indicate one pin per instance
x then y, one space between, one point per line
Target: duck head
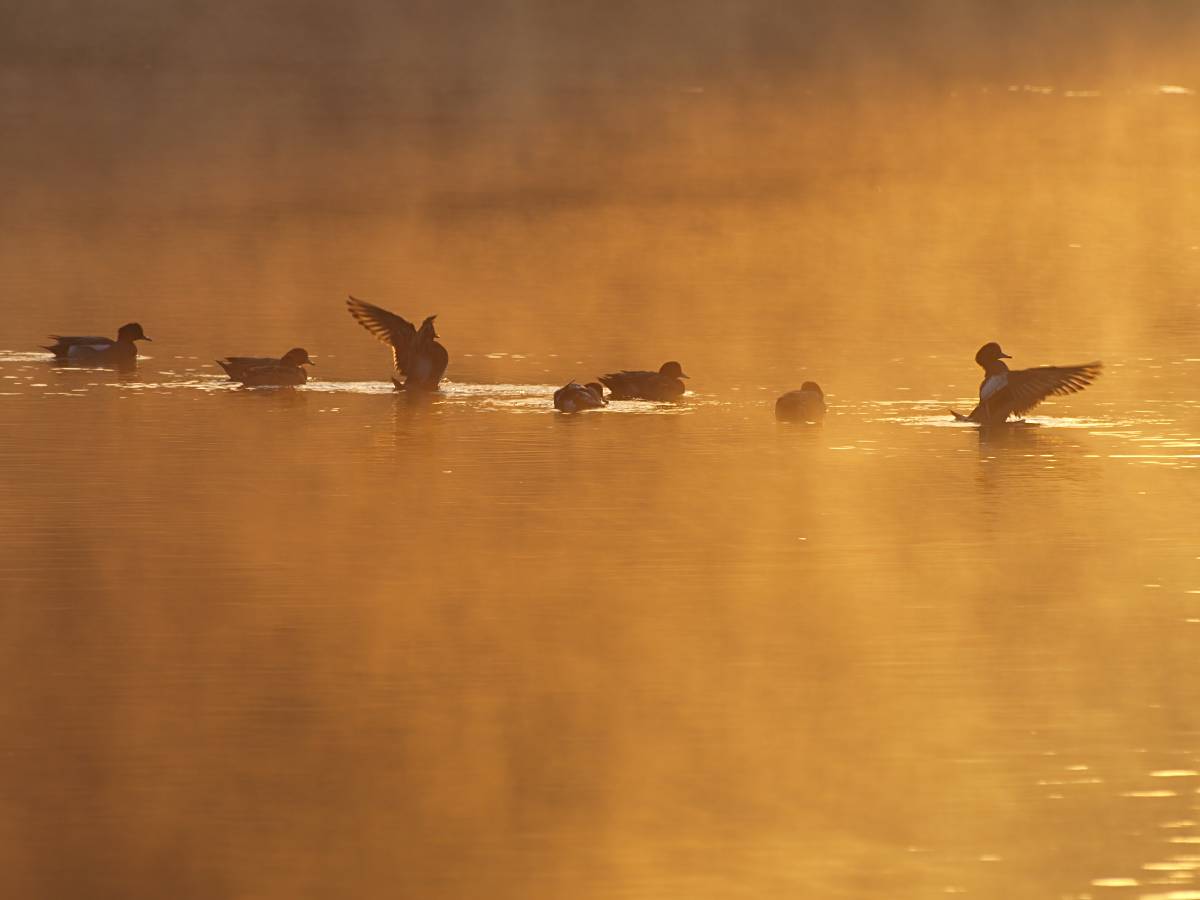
131 332
297 356
596 388
990 353
814 388
427 330
672 370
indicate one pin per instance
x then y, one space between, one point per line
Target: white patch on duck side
991 384
84 349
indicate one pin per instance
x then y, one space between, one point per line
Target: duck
804 405
416 353
98 351
665 384
1005 392
264 371
574 397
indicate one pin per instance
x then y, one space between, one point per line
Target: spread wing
395 331
1027 388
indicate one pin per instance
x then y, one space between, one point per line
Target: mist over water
336 641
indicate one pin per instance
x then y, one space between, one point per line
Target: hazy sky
588 40
145 99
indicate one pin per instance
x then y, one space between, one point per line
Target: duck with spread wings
415 351
1005 392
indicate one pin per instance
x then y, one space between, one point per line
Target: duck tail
959 417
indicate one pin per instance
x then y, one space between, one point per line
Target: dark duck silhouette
265 371
1005 393
415 351
99 351
665 384
804 405
575 397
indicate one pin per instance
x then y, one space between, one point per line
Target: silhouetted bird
804 405
264 371
99 351
1004 393
415 351
574 397
664 384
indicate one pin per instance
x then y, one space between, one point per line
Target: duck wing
63 343
574 396
570 395
627 384
252 360
274 374
238 366
799 405
395 331
73 340
564 397
1026 388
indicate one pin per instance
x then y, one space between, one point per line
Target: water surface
336 641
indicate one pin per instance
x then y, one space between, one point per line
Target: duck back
638 385
804 405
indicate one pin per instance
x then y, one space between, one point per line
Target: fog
345 641
153 105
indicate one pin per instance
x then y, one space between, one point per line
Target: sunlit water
342 642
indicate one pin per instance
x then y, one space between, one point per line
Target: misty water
340 641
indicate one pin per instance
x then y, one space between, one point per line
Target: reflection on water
339 635
342 641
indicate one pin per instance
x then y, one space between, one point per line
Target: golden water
338 642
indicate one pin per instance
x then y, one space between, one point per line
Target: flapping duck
1005 392
416 353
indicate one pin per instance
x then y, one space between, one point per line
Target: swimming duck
264 371
664 384
415 351
804 405
1004 392
574 397
99 351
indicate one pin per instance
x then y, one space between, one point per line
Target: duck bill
1005 356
